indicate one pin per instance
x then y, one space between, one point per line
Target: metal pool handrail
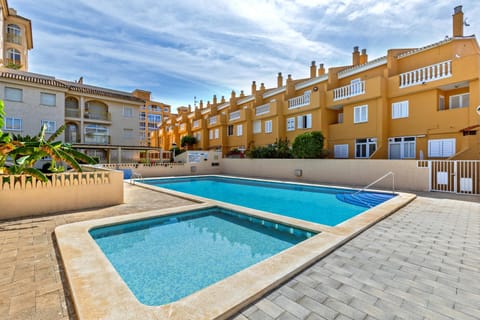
390 173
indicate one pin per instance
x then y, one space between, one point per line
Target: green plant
188 141
308 145
278 150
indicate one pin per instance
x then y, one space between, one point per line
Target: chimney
279 80
201 104
262 87
458 22
189 108
355 56
233 94
80 80
222 100
313 70
214 99
363 56
242 94
254 87
321 70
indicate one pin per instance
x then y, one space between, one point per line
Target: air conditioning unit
298 172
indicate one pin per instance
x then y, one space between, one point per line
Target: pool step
364 199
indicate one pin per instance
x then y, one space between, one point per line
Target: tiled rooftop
423 262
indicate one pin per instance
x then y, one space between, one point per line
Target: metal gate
458 176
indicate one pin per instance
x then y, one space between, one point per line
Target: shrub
278 150
308 145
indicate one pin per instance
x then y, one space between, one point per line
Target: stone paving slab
423 262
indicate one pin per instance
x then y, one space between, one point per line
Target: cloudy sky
183 49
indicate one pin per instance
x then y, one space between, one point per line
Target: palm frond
57 133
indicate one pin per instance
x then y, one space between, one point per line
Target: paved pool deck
422 262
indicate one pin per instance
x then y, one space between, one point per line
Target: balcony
72 113
104 116
196 123
263 109
426 74
234 115
300 101
96 139
354 89
212 120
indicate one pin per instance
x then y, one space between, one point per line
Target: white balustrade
426 74
263 109
212 120
299 101
354 89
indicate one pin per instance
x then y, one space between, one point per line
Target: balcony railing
96 139
299 101
14 38
212 120
72 113
183 126
353 89
263 109
234 115
105 116
426 74
196 123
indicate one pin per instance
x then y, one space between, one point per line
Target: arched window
96 110
71 133
14 34
71 103
14 57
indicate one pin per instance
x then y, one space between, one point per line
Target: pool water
167 258
310 203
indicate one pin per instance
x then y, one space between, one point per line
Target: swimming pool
167 258
311 203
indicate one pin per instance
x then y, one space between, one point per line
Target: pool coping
98 291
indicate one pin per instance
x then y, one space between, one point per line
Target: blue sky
186 48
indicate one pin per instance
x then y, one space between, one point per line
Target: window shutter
300 123
309 121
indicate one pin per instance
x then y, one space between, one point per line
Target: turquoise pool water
310 203
165 259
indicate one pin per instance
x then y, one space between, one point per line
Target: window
290 124
127 133
197 136
257 126
239 130
128 112
166 109
441 103
340 151
210 134
142 116
364 148
13 94
268 126
14 56
230 130
401 148
154 118
305 121
460 101
14 34
216 133
360 114
48 99
441 148
13 124
400 110
51 125
340 117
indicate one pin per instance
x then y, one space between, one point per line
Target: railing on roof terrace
72 113
353 89
426 74
196 123
299 101
263 109
212 120
234 115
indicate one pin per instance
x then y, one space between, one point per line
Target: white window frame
405 143
461 103
210 134
290 124
340 151
304 121
257 126
367 143
13 94
51 125
13 124
360 114
216 133
441 148
128 133
128 112
48 99
400 109
230 129
239 130
268 126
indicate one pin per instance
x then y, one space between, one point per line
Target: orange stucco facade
420 103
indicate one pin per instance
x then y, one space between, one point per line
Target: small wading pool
318 204
164 259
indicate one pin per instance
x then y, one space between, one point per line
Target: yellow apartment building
16 38
421 103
